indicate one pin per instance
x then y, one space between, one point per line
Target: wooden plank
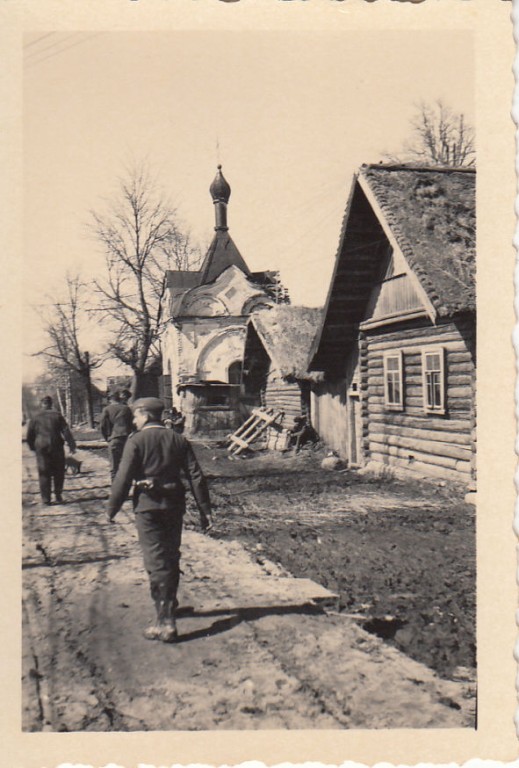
409 350
404 455
239 441
422 433
379 413
432 447
461 465
420 469
262 414
260 428
451 341
460 392
461 387
414 359
467 328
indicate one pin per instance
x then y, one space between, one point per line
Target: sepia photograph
262 493
250 274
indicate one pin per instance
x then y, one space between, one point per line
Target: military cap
151 404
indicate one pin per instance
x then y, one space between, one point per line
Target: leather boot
153 632
169 631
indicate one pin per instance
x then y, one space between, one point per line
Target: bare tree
66 358
440 137
142 238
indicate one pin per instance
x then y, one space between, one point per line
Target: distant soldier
116 424
125 396
154 457
46 434
173 419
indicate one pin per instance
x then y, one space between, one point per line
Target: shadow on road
236 616
59 561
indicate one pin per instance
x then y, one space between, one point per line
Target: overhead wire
38 40
326 190
34 62
55 44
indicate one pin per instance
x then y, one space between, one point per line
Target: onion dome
220 189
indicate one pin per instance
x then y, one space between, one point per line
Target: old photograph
256 444
247 283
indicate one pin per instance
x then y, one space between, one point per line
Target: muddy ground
402 554
258 648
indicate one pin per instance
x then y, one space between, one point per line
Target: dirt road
255 651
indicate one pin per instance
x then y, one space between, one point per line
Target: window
433 379
217 397
393 389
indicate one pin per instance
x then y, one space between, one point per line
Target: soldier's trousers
160 535
116 447
51 467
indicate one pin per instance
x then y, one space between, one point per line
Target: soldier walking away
154 457
116 424
46 434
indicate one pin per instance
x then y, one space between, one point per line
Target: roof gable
428 215
432 215
231 293
221 254
286 333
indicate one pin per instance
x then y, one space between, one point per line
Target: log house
397 343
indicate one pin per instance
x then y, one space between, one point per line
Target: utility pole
68 398
88 388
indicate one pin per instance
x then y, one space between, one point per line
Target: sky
290 116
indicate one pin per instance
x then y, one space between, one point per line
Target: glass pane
437 394
433 389
433 362
393 388
428 393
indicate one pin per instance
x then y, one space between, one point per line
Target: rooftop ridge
418 168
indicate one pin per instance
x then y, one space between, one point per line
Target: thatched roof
432 215
287 333
428 214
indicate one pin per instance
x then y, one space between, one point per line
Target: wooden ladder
251 429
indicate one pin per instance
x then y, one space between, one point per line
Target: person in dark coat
155 458
116 424
46 435
173 419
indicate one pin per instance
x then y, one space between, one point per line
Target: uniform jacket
163 455
116 421
47 432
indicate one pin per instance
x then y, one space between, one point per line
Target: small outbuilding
277 347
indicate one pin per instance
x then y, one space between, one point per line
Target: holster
158 490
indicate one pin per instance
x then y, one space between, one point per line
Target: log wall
283 395
412 439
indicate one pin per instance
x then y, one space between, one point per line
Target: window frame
398 355
431 408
